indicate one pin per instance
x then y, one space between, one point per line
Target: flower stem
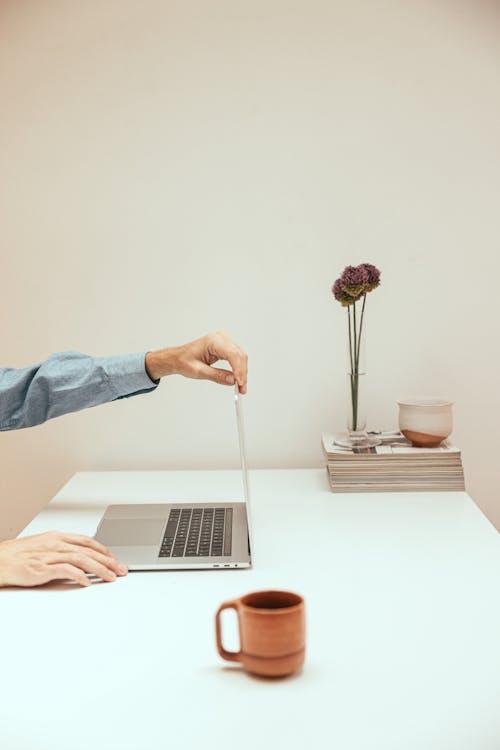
360 332
355 338
352 355
350 335
354 376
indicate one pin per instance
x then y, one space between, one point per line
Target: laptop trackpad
127 532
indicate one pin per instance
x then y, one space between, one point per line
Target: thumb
216 375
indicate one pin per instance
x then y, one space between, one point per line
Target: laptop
179 536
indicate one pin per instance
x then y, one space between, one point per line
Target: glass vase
356 410
356 436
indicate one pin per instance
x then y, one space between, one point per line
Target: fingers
107 560
238 361
215 374
224 348
81 544
85 541
88 564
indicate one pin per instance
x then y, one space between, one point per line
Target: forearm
67 382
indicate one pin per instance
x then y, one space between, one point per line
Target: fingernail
123 570
229 379
111 577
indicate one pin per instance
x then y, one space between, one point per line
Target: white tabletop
403 617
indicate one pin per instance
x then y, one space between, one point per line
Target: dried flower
373 276
354 280
341 295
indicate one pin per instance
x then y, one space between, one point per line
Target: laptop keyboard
198 532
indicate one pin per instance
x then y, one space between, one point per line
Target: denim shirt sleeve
67 382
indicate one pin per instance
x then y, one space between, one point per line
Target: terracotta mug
272 632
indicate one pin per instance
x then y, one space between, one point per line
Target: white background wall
171 168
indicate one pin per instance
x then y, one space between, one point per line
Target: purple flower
373 276
341 295
354 280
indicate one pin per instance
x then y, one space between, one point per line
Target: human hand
195 360
54 555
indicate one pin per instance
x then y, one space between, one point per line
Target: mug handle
228 655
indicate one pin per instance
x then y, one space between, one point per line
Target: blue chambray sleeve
67 382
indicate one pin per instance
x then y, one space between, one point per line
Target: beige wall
169 168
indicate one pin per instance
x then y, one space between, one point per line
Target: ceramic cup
272 632
426 421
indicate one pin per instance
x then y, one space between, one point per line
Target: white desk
403 613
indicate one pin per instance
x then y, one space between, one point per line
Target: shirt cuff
127 373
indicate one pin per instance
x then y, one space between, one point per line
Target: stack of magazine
393 466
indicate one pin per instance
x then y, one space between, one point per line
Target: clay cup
272 632
426 421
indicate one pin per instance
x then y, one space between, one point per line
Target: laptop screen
238 400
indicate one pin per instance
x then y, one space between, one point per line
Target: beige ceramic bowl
426 421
